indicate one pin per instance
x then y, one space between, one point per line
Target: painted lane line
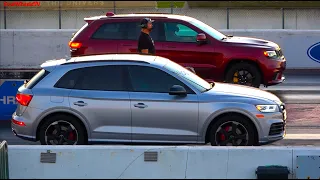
302 136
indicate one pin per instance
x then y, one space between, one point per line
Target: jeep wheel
244 74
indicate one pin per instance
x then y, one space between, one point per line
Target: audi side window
102 78
110 31
176 32
68 81
148 79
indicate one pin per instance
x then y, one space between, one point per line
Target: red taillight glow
75 45
19 123
24 99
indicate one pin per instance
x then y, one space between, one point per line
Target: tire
215 136
243 66
64 121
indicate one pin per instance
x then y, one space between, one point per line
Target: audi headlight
267 108
270 54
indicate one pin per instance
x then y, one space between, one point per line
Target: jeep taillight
24 99
75 45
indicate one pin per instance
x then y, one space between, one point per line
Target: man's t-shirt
146 42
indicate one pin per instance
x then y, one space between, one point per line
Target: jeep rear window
111 31
79 31
36 79
118 31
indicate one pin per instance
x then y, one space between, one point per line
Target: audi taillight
24 99
75 45
19 123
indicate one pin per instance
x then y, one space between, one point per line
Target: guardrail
4 162
163 162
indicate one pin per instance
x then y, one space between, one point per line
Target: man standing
146 44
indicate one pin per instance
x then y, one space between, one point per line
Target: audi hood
226 89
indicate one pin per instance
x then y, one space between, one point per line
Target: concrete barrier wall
30 48
216 17
173 162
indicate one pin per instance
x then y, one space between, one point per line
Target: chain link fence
70 15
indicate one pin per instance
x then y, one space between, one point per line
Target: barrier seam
292 171
228 163
185 172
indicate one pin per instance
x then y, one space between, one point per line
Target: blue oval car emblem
314 52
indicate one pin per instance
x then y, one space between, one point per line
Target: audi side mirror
177 90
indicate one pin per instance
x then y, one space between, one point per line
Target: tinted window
156 33
68 81
148 79
176 32
110 31
118 31
102 78
123 31
185 74
133 30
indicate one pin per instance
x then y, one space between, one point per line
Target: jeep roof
134 15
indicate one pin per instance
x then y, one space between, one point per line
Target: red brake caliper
222 136
71 136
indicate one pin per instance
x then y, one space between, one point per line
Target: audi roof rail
110 60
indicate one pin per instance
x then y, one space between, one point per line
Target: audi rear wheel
62 130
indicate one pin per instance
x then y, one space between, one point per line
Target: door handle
80 103
140 105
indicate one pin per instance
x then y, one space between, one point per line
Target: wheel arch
232 62
212 121
69 112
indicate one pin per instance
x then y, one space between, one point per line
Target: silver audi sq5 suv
126 98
